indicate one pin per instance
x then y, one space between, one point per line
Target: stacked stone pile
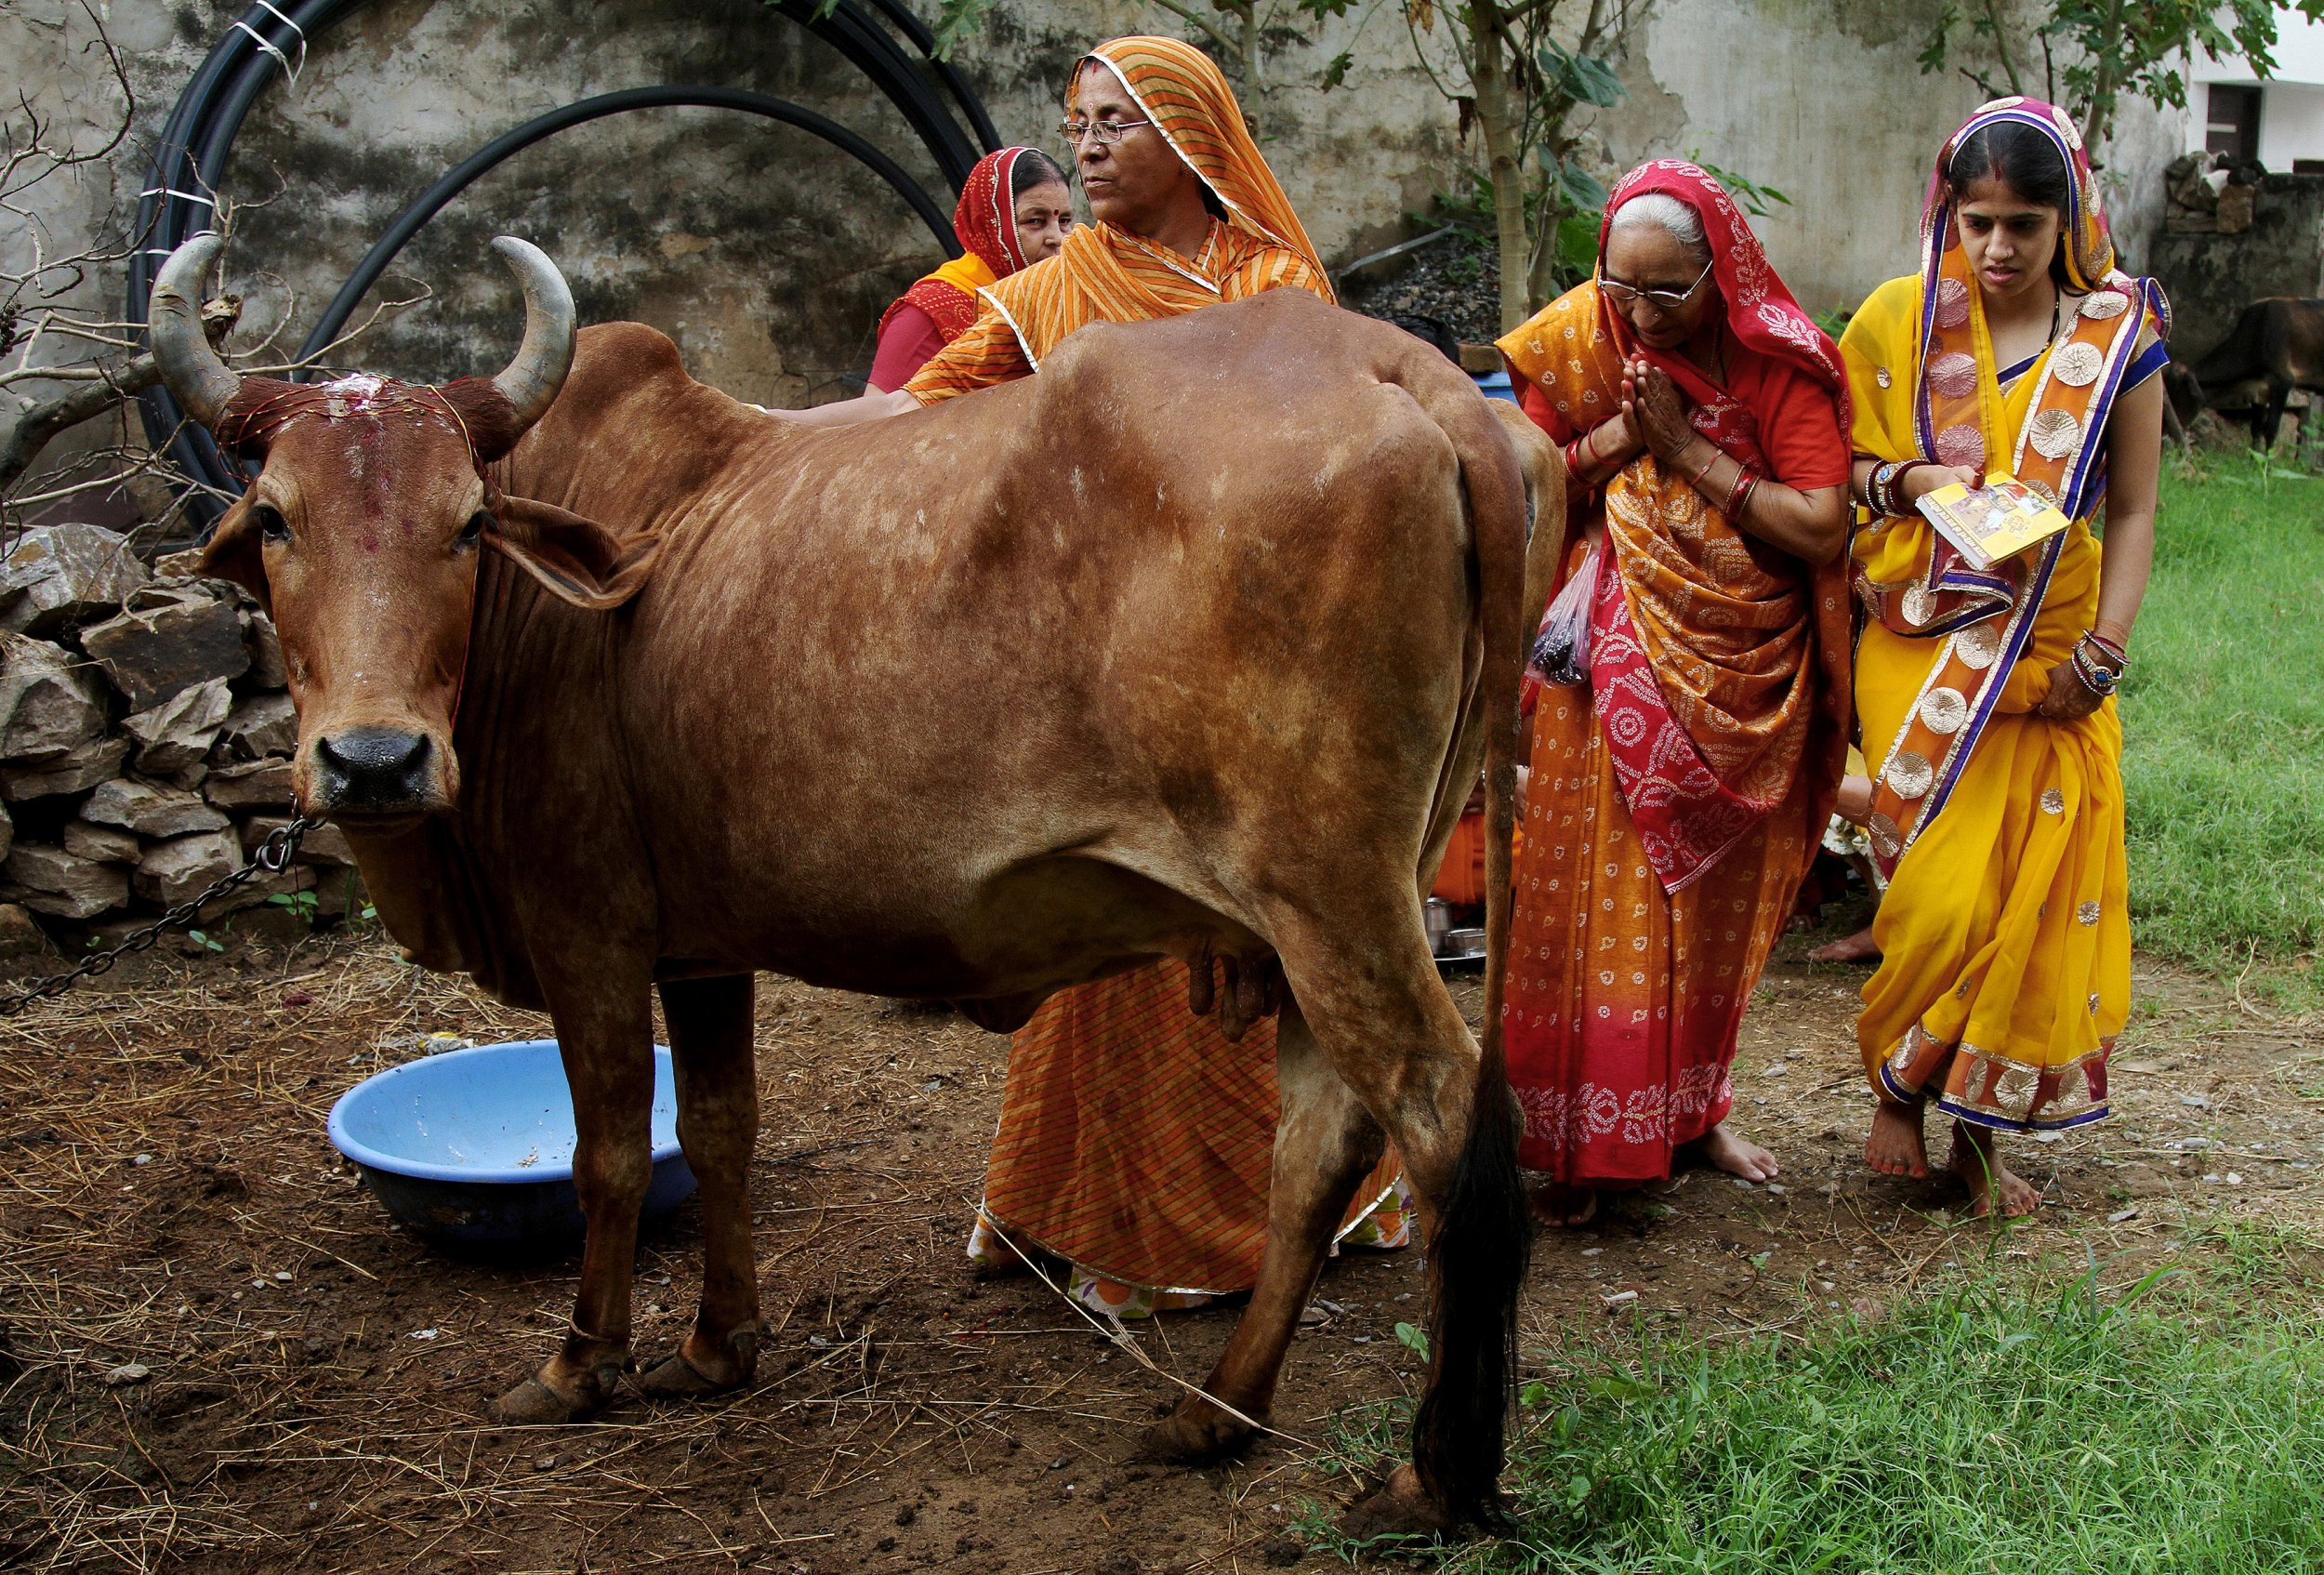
145 738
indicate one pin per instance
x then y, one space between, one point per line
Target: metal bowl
473 1150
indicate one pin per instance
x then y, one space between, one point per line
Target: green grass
2222 715
1995 1426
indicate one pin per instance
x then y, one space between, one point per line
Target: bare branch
35 422
1188 13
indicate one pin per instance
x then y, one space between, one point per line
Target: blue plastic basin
1496 385
472 1150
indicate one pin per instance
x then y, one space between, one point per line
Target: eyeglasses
1107 132
1669 300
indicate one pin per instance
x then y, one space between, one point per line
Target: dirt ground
314 1381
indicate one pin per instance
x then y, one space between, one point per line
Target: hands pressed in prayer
1613 443
1653 405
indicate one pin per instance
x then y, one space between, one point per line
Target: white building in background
2278 121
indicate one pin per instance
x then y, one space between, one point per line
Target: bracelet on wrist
2098 680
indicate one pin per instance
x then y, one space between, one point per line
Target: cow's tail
1478 1257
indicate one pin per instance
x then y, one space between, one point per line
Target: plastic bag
1561 652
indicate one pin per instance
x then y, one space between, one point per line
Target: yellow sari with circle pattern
2004 931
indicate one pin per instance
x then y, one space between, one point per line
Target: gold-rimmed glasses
1622 294
1107 132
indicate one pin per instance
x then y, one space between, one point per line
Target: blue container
473 1150
1496 385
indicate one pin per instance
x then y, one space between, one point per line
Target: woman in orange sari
1986 693
1689 694
1136 1137
1014 210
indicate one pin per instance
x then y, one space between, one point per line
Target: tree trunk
2098 124
1488 39
1541 278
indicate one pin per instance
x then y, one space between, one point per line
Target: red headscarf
1762 314
986 219
986 222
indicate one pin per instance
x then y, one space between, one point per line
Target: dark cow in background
1190 646
2276 345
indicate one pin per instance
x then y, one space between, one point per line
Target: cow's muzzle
373 771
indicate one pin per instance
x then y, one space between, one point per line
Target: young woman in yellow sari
1985 696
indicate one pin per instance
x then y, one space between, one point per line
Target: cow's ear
234 552
587 563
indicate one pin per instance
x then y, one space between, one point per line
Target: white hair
1665 213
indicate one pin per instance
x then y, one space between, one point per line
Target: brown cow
2276 345
1188 646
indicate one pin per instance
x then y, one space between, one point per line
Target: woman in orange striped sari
1136 1136
1689 696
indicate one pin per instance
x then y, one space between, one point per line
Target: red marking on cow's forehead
375 402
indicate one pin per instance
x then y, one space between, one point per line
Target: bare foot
1736 1156
1569 1207
1979 1164
1896 1146
1857 947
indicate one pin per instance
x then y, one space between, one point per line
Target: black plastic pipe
458 179
197 141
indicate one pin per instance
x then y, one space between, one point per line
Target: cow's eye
473 532
272 526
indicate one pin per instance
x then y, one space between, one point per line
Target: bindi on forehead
1097 91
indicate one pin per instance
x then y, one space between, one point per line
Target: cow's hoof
1396 1508
675 1378
1193 1439
534 1404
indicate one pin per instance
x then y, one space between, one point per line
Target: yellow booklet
1999 520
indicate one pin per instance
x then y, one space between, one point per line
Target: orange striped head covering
1178 88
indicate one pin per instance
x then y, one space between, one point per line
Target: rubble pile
145 739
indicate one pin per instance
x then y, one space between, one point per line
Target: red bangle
1739 494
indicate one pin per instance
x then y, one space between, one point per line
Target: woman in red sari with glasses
1014 210
1688 694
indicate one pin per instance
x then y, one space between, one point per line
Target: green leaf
1576 187
1932 57
1585 79
957 20
1336 72
1755 199
201 939
1534 1396
1413 1338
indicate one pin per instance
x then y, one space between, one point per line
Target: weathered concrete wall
1824 100
768 256
2213 277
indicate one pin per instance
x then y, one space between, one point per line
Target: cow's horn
200 381
531 382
